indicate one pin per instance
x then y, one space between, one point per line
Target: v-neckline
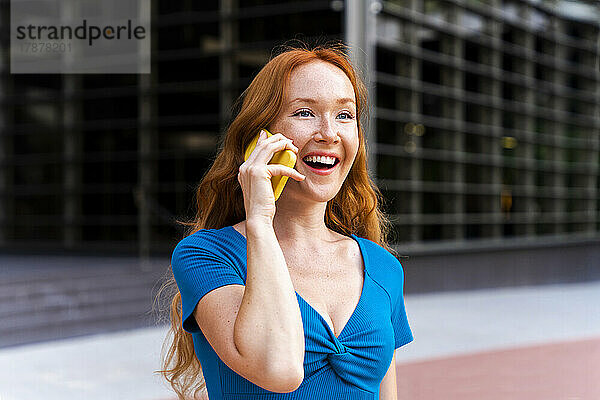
360 299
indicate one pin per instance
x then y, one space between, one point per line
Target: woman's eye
303 113
308 113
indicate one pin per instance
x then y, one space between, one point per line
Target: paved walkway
562 371
536 343
515 343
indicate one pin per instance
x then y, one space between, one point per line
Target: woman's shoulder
201 236
209 249
210 240
384 267
376 251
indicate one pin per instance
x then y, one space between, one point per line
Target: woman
301 299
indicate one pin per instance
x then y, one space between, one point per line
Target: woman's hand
255 176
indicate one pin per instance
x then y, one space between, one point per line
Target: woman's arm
388 389
268 327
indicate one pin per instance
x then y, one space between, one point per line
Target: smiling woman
302 298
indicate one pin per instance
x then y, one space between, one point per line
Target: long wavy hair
356 209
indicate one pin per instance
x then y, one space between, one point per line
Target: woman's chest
331 283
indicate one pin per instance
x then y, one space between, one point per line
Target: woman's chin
317 193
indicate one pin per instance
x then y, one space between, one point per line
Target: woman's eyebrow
309 100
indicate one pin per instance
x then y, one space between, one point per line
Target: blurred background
484 138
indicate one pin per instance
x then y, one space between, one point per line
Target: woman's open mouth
321 165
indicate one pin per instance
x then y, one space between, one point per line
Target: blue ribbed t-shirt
350 366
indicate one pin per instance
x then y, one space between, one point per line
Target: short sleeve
402 331
197 271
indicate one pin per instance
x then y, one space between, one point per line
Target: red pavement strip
556 371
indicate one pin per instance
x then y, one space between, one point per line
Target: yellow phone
285 157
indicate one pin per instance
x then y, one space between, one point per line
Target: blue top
350 366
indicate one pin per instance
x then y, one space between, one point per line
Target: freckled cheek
348 129
350 137
351 151
297 132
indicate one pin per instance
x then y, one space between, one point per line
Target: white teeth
321 159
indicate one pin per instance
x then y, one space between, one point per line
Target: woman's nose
327 132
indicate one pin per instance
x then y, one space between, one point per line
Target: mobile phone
285 157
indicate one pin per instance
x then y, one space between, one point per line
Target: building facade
484 130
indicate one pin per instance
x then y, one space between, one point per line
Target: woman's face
319 116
